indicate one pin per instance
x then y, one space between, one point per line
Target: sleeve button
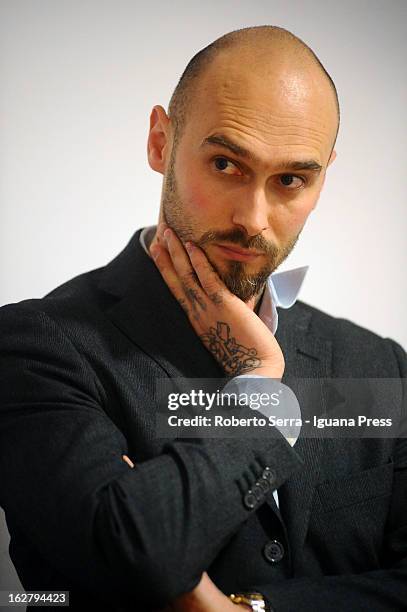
268 475
264 485
250 500
258 492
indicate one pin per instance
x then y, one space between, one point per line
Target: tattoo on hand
194 300
233 357
216 298
183 304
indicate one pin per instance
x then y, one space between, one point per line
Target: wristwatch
254 600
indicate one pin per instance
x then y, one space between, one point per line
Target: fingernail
189 246
167 233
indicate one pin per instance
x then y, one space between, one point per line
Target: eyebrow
226 143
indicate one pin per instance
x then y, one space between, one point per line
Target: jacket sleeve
379 590
148 532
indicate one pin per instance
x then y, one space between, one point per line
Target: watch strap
254 600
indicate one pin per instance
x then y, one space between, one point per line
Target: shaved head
255 48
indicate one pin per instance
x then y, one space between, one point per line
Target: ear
158 143
332 157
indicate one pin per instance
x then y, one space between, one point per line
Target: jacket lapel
308 357
153 320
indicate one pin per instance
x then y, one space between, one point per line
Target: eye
223 163
291 181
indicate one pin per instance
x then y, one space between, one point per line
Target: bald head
269 58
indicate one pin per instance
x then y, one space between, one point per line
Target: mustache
239 237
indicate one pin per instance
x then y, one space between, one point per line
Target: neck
255 302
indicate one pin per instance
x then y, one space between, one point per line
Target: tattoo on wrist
233 357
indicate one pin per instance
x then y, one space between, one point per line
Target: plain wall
78 81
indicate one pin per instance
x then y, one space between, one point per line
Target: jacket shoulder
75 308
351 343
78 294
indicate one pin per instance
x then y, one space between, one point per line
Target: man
203 524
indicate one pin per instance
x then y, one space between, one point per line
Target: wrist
268 371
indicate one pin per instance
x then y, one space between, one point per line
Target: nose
251 212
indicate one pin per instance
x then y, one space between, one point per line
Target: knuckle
205 267
191 294
173 288
216 297
212 286
183 303
194 298
188 277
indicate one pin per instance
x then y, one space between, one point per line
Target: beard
244 284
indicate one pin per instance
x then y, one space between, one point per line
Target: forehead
276 111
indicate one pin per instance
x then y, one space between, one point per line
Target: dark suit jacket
78 390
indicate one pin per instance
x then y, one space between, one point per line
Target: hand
205 597
229 328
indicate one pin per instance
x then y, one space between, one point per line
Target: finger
209 279
128 461
179 258
189 280
160 232
166 268
186 297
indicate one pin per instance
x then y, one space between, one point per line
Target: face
248 170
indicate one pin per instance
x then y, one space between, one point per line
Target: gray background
78 81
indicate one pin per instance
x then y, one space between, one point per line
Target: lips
237 253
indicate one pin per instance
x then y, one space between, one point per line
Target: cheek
199 194
199 199
289 219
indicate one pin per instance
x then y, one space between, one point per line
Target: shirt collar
281 291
